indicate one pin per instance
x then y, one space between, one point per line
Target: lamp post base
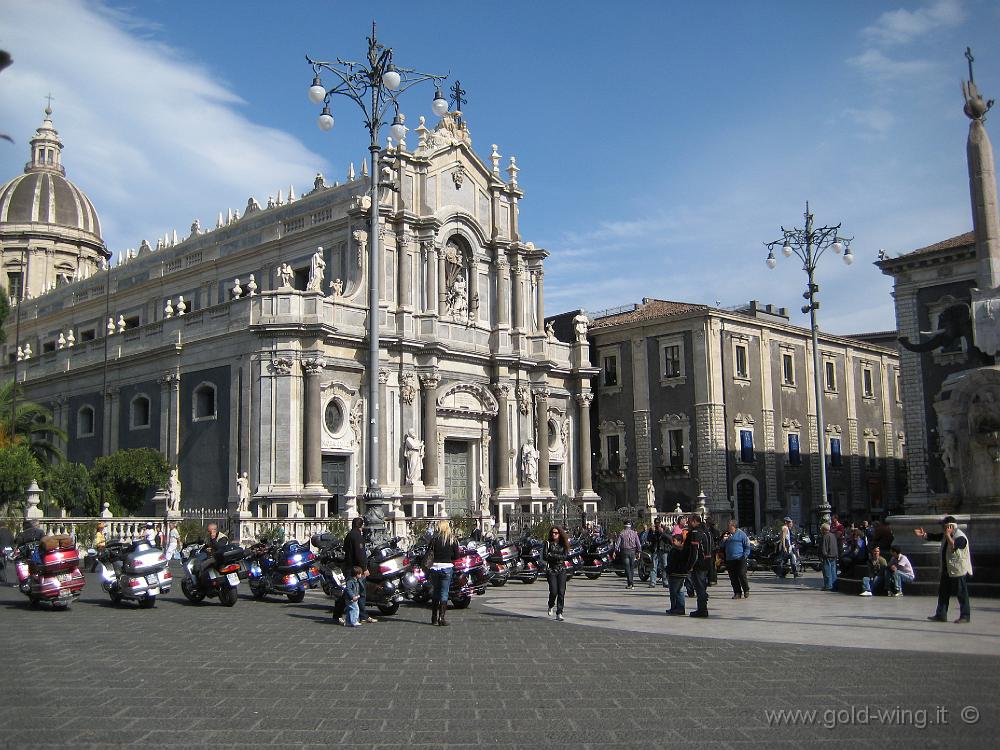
374 516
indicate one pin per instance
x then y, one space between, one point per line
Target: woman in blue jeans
443 551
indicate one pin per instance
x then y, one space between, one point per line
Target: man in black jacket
698 546
355 554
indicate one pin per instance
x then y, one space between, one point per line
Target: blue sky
660 142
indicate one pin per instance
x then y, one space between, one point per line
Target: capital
383 376
313 366
501 390
430 380
584 399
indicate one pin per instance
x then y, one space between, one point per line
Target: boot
435 612
444 610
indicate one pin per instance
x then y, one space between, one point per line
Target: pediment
468 399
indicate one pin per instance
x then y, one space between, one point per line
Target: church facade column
430 381
518 312
430 276
540 300
503 292
583 429
502 393
405 293
542 436
312 423
442 287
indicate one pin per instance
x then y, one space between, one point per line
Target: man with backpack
699 553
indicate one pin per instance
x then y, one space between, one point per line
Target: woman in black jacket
555 553
444 551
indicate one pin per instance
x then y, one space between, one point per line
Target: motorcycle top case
54 542
229 554
294 555
323 540
55 557
144 559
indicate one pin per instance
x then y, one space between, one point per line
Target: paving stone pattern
277 674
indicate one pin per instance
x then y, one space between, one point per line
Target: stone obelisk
982 185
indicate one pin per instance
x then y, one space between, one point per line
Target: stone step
923 586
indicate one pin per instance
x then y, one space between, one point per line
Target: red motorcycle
49 571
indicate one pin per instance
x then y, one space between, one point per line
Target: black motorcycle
287 569
596 556
387 568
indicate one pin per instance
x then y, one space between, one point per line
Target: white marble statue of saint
317 267
414 450
459 297
243 492
285 275
174 491
580 324
650 495
550 332
484 492
529 463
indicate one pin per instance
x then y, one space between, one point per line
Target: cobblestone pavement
276 674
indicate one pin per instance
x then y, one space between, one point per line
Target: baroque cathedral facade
243 349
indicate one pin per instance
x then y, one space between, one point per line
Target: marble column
583 428
502 392
518 313
540 302
430 381
431 253
312 423
982 189
405 293
442 287
542 432
503 292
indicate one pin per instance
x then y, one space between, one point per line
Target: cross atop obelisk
982 185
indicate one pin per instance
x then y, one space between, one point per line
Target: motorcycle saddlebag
229 554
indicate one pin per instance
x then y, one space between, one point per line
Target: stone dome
43 195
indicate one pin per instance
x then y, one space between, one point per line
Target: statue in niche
529 463
174 491
456 281
414 450
317 266
650 495
243 492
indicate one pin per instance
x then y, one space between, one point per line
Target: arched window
85 422
139 413
204 402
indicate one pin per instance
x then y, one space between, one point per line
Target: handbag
428 558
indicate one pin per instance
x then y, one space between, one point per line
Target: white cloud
875 64
877 120
153 139
902 26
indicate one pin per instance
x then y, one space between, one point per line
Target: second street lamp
374 85
809 245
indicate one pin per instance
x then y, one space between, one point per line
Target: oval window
334 416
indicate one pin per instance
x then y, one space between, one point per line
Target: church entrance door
456 476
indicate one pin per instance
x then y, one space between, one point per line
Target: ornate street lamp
374 85
809 245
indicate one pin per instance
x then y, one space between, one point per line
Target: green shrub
463 524
125 478
68 486
273 534
338 527
18 468
190 531
85 534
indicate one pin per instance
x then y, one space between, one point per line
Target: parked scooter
49 571
208 575
135 571
289 569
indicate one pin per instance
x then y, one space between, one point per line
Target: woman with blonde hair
442 553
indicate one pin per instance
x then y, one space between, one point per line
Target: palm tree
32 425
